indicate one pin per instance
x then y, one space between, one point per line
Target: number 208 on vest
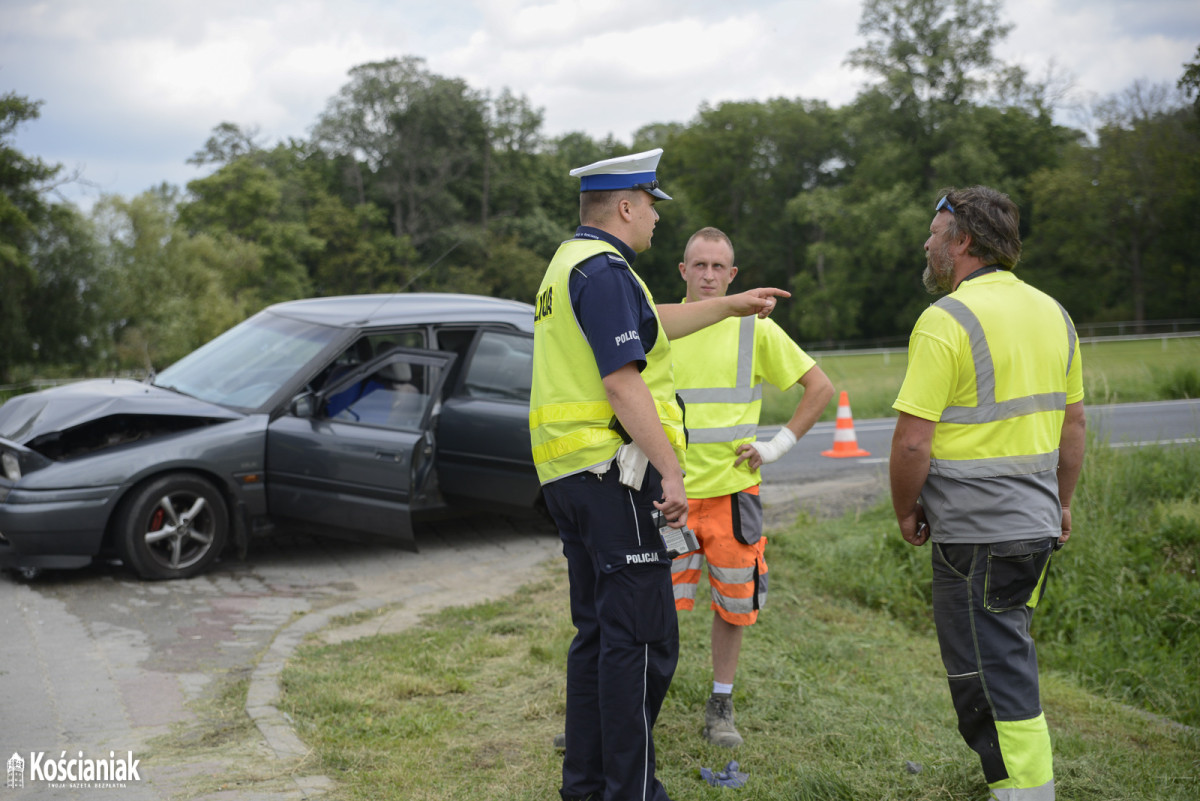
545 305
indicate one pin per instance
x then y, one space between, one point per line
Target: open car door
358 456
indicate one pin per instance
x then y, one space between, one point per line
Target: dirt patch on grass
783 503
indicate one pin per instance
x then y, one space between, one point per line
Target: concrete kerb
264 692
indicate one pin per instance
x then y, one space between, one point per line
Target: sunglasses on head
944 203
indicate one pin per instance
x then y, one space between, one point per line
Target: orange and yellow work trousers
729 528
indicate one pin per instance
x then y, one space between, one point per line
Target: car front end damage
60 492
54 527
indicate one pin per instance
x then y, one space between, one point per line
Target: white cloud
134 87
614 78
1104 46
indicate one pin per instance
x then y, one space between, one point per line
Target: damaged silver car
346 415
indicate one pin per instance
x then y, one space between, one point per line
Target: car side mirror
304 405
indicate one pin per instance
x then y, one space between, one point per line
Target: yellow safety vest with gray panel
994 457
569 413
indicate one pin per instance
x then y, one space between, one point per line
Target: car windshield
249 363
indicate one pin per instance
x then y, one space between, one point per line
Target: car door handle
391 457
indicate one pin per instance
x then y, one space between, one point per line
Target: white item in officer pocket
632 462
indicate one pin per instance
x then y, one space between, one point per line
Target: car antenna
150 374
432 264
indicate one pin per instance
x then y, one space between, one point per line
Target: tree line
413 181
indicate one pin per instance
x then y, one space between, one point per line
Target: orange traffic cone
845 443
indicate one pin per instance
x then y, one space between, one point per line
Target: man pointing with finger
608 440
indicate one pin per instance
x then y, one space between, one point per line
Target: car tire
173 527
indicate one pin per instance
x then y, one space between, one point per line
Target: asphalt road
97 667
1121 425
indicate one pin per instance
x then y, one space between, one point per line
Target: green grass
1126 611
1114 372
872 382
839 685
1122 613
1142 370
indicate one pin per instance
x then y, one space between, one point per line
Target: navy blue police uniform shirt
611 307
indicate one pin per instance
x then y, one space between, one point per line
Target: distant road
1123 425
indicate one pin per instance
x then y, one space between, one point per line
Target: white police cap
635 171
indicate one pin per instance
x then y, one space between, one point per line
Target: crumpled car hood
27 417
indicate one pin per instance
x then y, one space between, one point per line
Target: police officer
602 374
719 374
985 457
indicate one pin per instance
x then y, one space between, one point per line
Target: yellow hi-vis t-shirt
719 373
1027 342
995 364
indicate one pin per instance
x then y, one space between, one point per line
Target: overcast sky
132 88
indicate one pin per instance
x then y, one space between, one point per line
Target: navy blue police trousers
626 645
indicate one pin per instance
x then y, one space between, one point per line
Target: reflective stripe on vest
595 419
740 393
989 410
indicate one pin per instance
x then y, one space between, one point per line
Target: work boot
718 722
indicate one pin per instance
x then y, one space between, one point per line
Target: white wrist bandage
780 444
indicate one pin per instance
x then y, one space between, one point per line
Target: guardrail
1146 328
1168 329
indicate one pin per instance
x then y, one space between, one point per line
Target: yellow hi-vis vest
1013 357
719 374
569 414
1013 424
715 378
